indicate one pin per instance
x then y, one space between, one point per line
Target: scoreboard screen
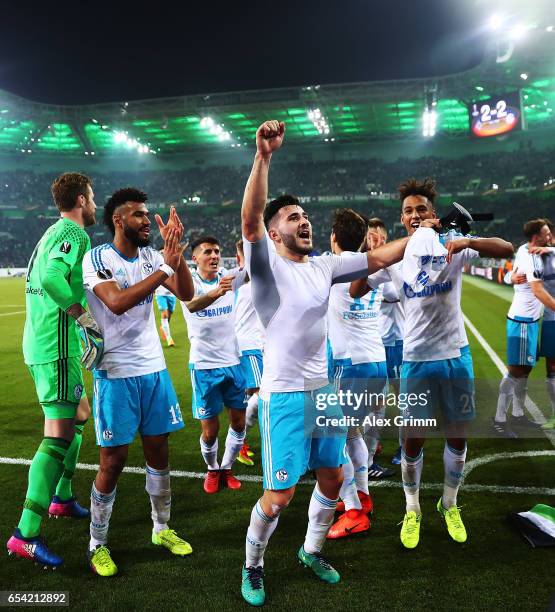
495 116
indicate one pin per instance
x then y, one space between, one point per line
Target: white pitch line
7 314
380 484
536 413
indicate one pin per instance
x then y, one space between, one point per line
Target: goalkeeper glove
92 339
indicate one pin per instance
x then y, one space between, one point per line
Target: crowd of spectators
26 207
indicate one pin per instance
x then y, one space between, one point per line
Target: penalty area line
379 484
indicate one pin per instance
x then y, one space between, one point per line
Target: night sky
60 53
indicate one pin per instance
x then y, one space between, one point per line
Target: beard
89 219
290 241
133 237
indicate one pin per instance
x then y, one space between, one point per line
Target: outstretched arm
489 247
269 138
542 295
386 255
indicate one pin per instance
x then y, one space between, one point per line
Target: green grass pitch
493 570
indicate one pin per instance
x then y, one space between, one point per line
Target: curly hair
119 197
413 187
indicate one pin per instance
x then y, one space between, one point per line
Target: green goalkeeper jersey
51 334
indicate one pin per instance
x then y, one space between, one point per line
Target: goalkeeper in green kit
56 321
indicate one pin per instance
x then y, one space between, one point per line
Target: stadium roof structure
355 112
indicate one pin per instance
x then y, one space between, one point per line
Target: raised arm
488 247
386 255
201 302
269 138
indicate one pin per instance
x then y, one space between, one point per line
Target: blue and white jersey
525 304
291 300
353 329
131 343
434 325
212 330
392 315
248 328
549 281
161 291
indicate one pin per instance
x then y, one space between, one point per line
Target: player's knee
112 466
278 501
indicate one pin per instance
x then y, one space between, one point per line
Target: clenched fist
269 137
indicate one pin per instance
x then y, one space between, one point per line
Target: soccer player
392 318
250 337
132 388
165 300
290 293
436 356
214 363
359 366
55 298
523 327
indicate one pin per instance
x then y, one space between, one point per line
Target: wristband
167 270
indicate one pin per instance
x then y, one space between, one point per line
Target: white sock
506 392
550 384
101 510
166 327
252 410
411 472
348 491
520 389
453 463
371 445
320 518
159 490
358 452
259 532
233 443
210 453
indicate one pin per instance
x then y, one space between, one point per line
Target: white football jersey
525 303
131 343
549 282
353 329
434 326
212 330
249 330
392 316
291 300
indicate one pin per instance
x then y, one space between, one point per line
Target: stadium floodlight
496 21
550 28
206 122
523 76
318 121
518 32
429 123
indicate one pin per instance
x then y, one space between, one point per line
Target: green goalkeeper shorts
59 386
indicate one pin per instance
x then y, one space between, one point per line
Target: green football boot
170 540
252 585
453 520
101 562
410 531
319 565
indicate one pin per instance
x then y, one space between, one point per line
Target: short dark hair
275 205
119 197
377 223
349 229
202 239
413 187
239 246
67 187
534 226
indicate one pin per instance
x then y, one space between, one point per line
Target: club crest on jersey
147 267
78 391
65 247
104 274
282 475
107 434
